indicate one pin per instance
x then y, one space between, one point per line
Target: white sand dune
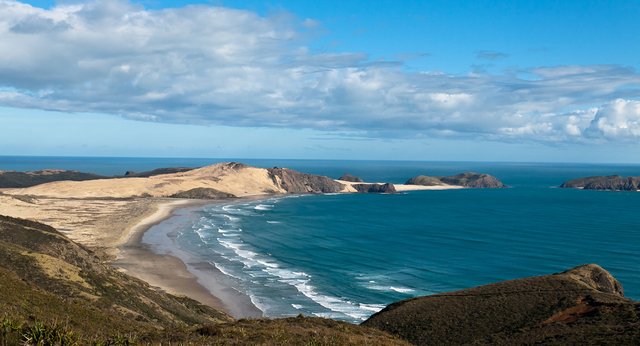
239 180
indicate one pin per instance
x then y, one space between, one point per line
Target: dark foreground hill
468 179
610 183
582 306
55 292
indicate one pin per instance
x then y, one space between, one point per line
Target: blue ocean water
347 256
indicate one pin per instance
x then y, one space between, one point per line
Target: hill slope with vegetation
582 306
54 291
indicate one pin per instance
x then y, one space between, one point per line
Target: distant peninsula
607 183
467 179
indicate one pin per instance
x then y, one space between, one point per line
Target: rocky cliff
582 306
611 182
468 179
374 188
296 182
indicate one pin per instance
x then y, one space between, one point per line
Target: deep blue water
346 256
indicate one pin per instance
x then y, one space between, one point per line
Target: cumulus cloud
618 119
216 65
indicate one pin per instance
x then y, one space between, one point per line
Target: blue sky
411 80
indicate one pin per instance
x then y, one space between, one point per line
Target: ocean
348 256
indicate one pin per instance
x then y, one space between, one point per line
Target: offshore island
71 246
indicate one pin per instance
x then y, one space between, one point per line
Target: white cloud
618 119
215 65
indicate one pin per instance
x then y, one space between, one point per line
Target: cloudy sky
411 80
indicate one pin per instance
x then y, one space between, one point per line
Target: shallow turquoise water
347 256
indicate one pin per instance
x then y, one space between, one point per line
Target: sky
544 81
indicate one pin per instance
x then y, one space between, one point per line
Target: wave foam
263 207
401 289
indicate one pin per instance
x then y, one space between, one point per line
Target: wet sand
151 254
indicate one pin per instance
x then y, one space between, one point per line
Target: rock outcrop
350 178
374 188
611 182
468 179
581 306
296 182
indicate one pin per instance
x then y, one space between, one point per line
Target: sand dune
237 179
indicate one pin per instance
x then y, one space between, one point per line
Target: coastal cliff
584 305
295 182
610 183
467 179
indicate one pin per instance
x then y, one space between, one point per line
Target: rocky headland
292 181
467 179
609 183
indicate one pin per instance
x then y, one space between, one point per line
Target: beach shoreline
163 265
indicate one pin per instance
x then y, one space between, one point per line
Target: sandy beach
162 264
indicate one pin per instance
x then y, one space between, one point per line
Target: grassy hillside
53 289
583 306
11 179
